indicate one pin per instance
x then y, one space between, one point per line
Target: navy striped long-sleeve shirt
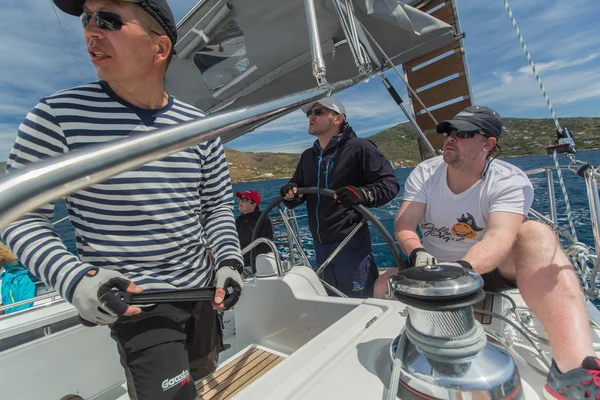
143 223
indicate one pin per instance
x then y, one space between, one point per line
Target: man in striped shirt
139 229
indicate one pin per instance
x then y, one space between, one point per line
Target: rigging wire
552 113
67 40
401 75
563 189
533 67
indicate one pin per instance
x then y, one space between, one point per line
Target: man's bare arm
405 225
500 234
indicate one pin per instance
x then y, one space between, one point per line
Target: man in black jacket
245 223
359 174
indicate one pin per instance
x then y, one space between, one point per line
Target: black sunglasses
464 135
107 21
317 112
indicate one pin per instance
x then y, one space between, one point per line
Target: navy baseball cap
158 9
474 119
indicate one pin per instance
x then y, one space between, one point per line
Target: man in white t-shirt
471 210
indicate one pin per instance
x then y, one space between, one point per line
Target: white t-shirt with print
452 223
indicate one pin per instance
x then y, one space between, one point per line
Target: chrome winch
443 352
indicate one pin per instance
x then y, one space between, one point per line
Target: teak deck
225 382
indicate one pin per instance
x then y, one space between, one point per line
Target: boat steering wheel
364 211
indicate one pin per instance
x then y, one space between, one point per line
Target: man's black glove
352 196
465 264
291 199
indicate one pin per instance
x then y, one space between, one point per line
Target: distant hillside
245 166
520 137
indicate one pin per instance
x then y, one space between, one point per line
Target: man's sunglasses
107 21
317 112
245 200
464 135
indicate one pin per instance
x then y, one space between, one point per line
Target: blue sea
270 190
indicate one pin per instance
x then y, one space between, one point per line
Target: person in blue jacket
359 174
16 283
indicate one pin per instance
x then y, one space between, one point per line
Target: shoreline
414 165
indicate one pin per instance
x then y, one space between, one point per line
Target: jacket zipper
318 195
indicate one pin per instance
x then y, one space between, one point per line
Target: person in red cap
245 223
471 211
140 229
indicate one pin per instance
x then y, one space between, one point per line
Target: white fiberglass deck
302 344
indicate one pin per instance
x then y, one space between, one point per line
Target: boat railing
53 296
273 247
584 257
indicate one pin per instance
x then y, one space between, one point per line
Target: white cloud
518 90
559 64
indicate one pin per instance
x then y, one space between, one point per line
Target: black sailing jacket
244 224
347 160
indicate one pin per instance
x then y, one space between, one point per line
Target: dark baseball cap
158 9
474 119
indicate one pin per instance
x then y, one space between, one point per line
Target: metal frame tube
346 30
51 295
400 103
27 189
552 225
290 243
339 248
408 87
296 241
319 69
551 195
594 201
269 243
352 23
333 289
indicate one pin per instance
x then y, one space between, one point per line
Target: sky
562 36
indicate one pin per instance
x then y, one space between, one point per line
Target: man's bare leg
551 289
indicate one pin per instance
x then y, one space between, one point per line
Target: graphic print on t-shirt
465 228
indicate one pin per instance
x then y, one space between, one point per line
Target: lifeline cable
535 72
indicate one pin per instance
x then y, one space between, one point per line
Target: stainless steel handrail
269 243
536 171
27 189
594 202
51 295
339 248
551 195
580 253
291 235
